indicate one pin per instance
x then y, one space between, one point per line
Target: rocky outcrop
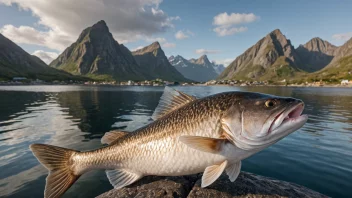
96 52
14 61
247 185
200 70
272 50
153 61
316 54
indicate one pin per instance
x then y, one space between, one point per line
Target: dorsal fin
170 101
111 136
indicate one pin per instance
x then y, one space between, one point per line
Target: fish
187 136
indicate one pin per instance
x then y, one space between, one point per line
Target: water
318 156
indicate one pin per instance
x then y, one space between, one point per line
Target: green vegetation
100 77
69 67
341 70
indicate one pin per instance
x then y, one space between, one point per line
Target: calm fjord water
318 156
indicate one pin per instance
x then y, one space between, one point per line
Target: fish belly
167 156
170 158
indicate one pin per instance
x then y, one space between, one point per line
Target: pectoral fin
205 144
212 173
233 170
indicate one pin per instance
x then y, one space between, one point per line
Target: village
160 82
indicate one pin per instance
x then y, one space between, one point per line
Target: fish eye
269 103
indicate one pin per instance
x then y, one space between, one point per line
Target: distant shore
236 85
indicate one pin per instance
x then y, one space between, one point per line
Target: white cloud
225 23
29 35
180 35
225 19
225 31
176 18
205 51
169 45
343 36
128 20
47 57
225 62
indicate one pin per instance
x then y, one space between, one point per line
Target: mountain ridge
316 54
15 62
200 70
273 56
152 59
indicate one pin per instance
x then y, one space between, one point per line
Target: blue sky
36 25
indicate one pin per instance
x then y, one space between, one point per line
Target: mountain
340 66
15 62
200 69
219 68
316 54
152 59
272 57
97 54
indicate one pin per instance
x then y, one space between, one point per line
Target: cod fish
188 136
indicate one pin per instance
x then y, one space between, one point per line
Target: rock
153 186
247 185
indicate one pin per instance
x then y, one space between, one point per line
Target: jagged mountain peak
100 25
276 32
203 60
97 52
200 69
274 50
156 44
316 54
152 48
319 45
152 58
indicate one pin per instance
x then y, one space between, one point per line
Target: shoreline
305 86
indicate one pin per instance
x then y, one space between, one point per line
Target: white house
345 82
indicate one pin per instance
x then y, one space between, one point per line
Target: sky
221 29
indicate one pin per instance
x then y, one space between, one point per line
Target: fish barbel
188 136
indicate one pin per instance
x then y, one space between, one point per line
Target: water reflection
318 156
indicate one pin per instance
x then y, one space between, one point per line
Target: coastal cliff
247 185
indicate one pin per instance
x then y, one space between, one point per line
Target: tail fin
57 161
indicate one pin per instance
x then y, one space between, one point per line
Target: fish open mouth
291 115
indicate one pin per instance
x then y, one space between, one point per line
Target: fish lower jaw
291 124
289 115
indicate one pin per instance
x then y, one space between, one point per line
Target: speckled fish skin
238 125
155 149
